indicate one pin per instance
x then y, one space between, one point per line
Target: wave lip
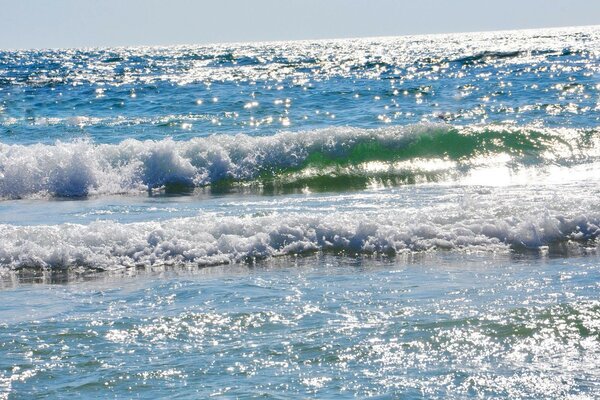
210 240
409 154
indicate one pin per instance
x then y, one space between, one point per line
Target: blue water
313 327
410 217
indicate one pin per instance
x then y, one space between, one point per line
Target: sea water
412 217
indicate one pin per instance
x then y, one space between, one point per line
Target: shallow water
435 326
412 217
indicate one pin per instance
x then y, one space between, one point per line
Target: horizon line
278 41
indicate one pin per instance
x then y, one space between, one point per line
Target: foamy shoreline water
411 217
223 240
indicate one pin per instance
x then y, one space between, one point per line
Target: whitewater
412 217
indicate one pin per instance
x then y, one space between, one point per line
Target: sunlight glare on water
411 217
464 327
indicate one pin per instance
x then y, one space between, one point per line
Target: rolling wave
320 159
210 240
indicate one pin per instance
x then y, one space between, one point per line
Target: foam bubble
210 240
399 154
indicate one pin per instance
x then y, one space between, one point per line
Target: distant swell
210 240
335 156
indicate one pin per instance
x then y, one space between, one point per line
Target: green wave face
447 144
340 158
404 160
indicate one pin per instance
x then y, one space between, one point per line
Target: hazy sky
85 23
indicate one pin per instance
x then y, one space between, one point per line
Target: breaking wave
318 159
210 240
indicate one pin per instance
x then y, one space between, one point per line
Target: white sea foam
84 168
209 240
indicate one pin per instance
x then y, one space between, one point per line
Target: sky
99 23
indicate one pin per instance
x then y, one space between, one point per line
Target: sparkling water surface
430 327
545 76
413 217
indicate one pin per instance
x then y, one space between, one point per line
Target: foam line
210 240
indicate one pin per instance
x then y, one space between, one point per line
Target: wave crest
210 240
331 156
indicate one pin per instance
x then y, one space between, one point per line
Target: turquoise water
412 217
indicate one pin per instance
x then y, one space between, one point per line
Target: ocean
405 217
